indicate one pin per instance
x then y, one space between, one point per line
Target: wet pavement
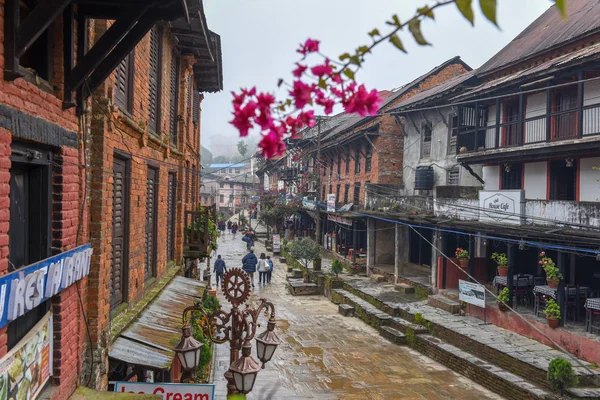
324 355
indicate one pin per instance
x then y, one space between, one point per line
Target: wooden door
151 213
171 206
120 234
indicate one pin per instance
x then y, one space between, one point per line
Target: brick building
69 159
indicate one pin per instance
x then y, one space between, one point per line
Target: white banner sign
331 203
471 293
276 243
502 206
169 391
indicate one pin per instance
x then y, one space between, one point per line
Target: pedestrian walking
262 269
249 265
269 269
234 228
249 239
220 269
229 226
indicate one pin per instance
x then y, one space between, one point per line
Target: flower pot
464 264
502 270
553 283
553 322
502 307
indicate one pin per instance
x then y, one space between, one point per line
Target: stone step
584 392
282 260
297 273
378 278
365 310
346 310
393 335
301 288
486 374
403 325
290 269
444 303
404 288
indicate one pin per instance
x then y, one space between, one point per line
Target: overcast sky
260 37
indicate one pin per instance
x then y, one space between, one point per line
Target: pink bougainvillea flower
272 144
242 117
363 102
265 100
336 78
310 46
320 70
323 101
301 94
293 124
299 70
264 119
307 118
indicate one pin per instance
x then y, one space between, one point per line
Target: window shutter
196 110
189 93
154 93
174 94
121 83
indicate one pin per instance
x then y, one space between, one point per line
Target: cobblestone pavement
324 355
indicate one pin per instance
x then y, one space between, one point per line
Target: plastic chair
521 291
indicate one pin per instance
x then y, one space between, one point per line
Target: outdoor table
591 305
503 280
545 290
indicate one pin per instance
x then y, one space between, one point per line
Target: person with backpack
234 228
229 226
262 269
269 269
220 269
249 239
249 265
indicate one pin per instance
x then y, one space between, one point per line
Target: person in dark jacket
249 239
220 269
249 265
270 270
229 226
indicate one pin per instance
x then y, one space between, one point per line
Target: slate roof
547 32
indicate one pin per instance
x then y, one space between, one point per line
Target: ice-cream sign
503 207
27 288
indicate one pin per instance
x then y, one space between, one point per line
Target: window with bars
189 92
323 193
347 193
194 194
196 108
368 158
339 166
426 131
357 193
357 161
337 193
173 97
187 182
155 91
222 198
124 84
453 128
453 176
347 163
330 189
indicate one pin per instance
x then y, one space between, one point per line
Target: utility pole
318 169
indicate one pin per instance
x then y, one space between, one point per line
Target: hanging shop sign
331 203
27 288
169 391
339 220
502 207
27 367
471 293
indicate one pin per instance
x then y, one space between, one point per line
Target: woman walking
262 269
270 269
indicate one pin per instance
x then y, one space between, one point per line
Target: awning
150 340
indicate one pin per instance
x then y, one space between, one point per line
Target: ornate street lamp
238 327
188 351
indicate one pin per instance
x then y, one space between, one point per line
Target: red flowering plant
462 254
328 83
549 266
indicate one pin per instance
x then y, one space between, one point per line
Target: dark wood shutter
171 204
124 84
120 234
174 97
196 110
189 93
151 212
187 182
155 80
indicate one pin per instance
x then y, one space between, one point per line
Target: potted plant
552 312
337 267
561 375
463 258
553 275
502 262
503 299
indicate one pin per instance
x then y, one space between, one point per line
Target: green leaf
395 21
344 56
466 9
397 42
322 84
363 49
414 27
489 8
562 7
374 32
349 73
426 11
355 60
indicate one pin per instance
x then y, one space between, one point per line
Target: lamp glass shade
188 350
190 358
260 350
266 343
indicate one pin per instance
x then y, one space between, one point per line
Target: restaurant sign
339 220
28 287
502 206
471 293
169 391
26 368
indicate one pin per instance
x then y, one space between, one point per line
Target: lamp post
238 327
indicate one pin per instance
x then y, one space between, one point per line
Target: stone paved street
324 355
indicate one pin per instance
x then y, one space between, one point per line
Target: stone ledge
444 304
346 310
393 335
403 326
404 288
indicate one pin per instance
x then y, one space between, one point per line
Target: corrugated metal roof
547 68
150 340
547 32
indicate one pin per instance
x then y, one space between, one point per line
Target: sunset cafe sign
502 206
28 287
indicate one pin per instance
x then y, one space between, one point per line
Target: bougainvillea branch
329 83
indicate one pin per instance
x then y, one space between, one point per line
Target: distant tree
242 147
305 250
206 157
221 160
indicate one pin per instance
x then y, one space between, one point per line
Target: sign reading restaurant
502 206
26 288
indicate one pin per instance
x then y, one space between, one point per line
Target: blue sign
27 288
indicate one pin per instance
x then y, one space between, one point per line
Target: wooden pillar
580 104
370 244
354 240
561 298
497 134
512 260
471 268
